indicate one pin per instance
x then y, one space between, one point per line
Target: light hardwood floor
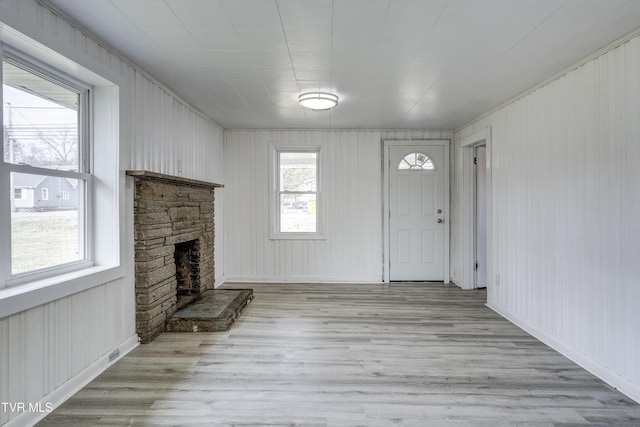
350 355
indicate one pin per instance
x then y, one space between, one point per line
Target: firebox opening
187 259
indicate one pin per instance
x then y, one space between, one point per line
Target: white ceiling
395 64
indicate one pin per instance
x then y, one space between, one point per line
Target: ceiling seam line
286 40
534 29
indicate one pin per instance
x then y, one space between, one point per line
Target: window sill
297 236
23 297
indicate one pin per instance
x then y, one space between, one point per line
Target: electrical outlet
114 354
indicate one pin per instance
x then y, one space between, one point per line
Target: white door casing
417 207
481 217
467 220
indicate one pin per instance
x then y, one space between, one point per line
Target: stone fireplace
174 246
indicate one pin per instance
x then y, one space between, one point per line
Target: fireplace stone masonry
174 230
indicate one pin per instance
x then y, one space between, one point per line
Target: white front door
416 213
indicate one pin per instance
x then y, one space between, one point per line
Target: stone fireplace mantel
171 179
174 246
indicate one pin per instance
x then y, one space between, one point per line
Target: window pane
44 232
298 213
298 171
40 120
416 161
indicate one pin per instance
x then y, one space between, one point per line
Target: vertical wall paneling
565 209
352 191
66 341
4 367
630 292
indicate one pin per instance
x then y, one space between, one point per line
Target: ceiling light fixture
318 100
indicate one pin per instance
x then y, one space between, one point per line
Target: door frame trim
476 219
446 143
467 225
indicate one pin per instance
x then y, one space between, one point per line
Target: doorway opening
474 229
480 234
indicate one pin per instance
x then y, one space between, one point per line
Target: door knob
440 220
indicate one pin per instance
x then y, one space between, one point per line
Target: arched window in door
416 161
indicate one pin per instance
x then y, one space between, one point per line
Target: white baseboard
61 394
612 378
219 282
303 279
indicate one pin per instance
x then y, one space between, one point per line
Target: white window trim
108 246
15 299
274 205
7 278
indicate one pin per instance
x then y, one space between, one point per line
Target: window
297 196
416 161
45 149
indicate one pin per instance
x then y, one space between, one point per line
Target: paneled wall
44 347
565 214
352 187
50 349
167 136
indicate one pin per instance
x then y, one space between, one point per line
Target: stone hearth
212 311
174 246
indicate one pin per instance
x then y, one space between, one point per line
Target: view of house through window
297 191
41 150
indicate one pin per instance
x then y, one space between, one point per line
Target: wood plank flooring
350 355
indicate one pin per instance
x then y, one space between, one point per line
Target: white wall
167 136
565 214
352 186
48 351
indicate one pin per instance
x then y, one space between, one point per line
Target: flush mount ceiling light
318 100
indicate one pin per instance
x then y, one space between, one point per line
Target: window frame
276 193
415 166
83 175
